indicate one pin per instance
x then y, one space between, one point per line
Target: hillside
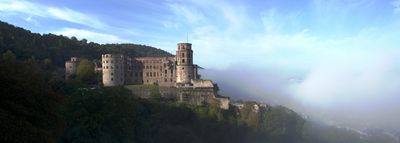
58 48
39 106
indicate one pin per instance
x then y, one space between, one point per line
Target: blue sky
338 52
270 32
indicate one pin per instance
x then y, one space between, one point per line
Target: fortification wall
202 83
192 96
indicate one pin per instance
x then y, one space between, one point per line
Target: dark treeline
58 48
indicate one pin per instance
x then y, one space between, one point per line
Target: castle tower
71 67
184 64
113 69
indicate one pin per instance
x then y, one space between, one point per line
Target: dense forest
58 48
38 105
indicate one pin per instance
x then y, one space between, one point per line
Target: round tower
113 69
184 63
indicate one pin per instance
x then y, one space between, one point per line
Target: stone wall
192 96
199 83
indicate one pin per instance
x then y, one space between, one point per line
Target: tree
283 125
9 56
101 116
85 71
29 110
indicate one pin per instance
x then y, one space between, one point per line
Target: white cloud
189 14
90 35
65 14
396 6
32 20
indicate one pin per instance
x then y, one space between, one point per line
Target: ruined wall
158 70
199 83
224 102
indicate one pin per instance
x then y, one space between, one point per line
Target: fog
357 93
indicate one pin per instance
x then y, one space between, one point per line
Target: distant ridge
58 48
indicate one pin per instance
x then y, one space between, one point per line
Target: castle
169 72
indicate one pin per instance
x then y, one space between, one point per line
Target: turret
184 64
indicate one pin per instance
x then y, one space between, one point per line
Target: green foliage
100 116
85 71
29 109
283 125
58 48
8 56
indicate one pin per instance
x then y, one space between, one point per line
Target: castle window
112 73
154 74
147 74
165 72
112 79
183 68
141 74
188 60
183 60
151 74
106 56
106 67
183 55
106 61
136 74
165 80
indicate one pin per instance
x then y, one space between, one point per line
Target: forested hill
58 48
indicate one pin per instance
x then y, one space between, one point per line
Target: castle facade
169 71
177 72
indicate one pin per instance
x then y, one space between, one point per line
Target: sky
323 58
